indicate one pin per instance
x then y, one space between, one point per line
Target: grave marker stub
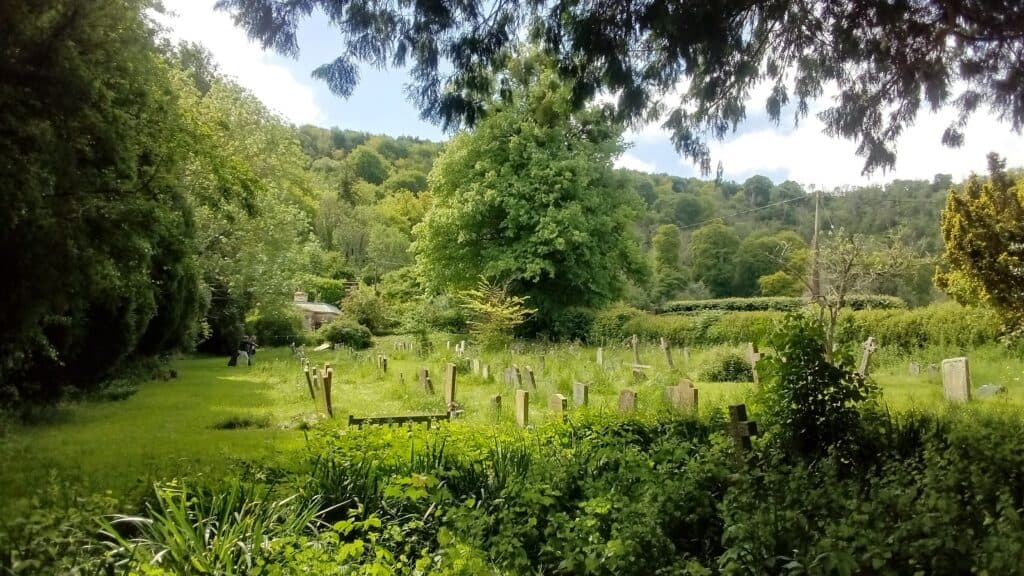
428 385
627 401
580 393
522 408
915 369
753 355
384 364
739 427
600 357
956 379
496 402
635 342
668 352
531 381
449 384
558 404
328 378
869 348
309 383
476 366
517 377
485 372
424 376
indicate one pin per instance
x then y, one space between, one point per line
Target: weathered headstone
668 352
627 401
956 379
309 383
989 390
915 369
600 357
558 404
869 348
580 393
522 408
424 376
683 397
517 377
635 343
531 380
428 385
753 355
740 428
476 366
449 384
384 364
485 372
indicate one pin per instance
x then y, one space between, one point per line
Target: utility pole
815 269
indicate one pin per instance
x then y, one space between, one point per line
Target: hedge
778 304
946 324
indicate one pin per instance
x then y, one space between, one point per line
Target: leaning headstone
580 393
668 353
683 397
753 355
956 379
449 384
627 401
869 348
558 404
522 408
989 390
915 369
531 380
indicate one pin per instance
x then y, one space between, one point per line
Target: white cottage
315 314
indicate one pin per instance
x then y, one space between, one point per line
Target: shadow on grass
242 422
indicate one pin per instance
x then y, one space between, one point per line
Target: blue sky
379 105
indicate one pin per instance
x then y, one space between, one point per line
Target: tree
760 256
983 229
367 164
713 249
886 59
667 246
494 314
758 190
529 201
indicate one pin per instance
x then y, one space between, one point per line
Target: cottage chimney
300 296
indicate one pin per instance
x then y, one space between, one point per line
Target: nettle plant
494 314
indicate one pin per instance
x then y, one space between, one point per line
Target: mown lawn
172 428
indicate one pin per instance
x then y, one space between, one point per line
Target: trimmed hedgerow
776 304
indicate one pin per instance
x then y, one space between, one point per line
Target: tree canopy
886 60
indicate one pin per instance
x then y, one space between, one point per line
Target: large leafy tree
95 234
713 251
528 200
983 227
886 59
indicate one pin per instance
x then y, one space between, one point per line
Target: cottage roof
317 307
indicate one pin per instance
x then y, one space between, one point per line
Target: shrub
368 309
725 366
347 332
777 304
573 323
277 326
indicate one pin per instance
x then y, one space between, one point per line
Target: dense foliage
780 303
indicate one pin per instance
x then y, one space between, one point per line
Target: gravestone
496 402
531 380
915 369
428 385
424 377
384 364
558 404
476 366
740 428
635 342
309 382
600 357
627 401
485 372
753 355
449 384
522 408
580 393
869 348
683 397
328 379
517 377
541 362
989 390
638 373
668 353
956 379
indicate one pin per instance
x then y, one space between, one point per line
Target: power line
742 212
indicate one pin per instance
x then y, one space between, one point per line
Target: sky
378 105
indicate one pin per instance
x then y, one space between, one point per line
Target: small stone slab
580 393
989 390
558 404
627 401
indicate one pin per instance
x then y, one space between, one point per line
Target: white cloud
246 62
627 160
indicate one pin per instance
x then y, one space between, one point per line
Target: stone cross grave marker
558 404
740 428
683 397
635 342
956 379
531 380
627 401
449 384
600 357
580 393
915 369
754 356
668 352
869 348
522 408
